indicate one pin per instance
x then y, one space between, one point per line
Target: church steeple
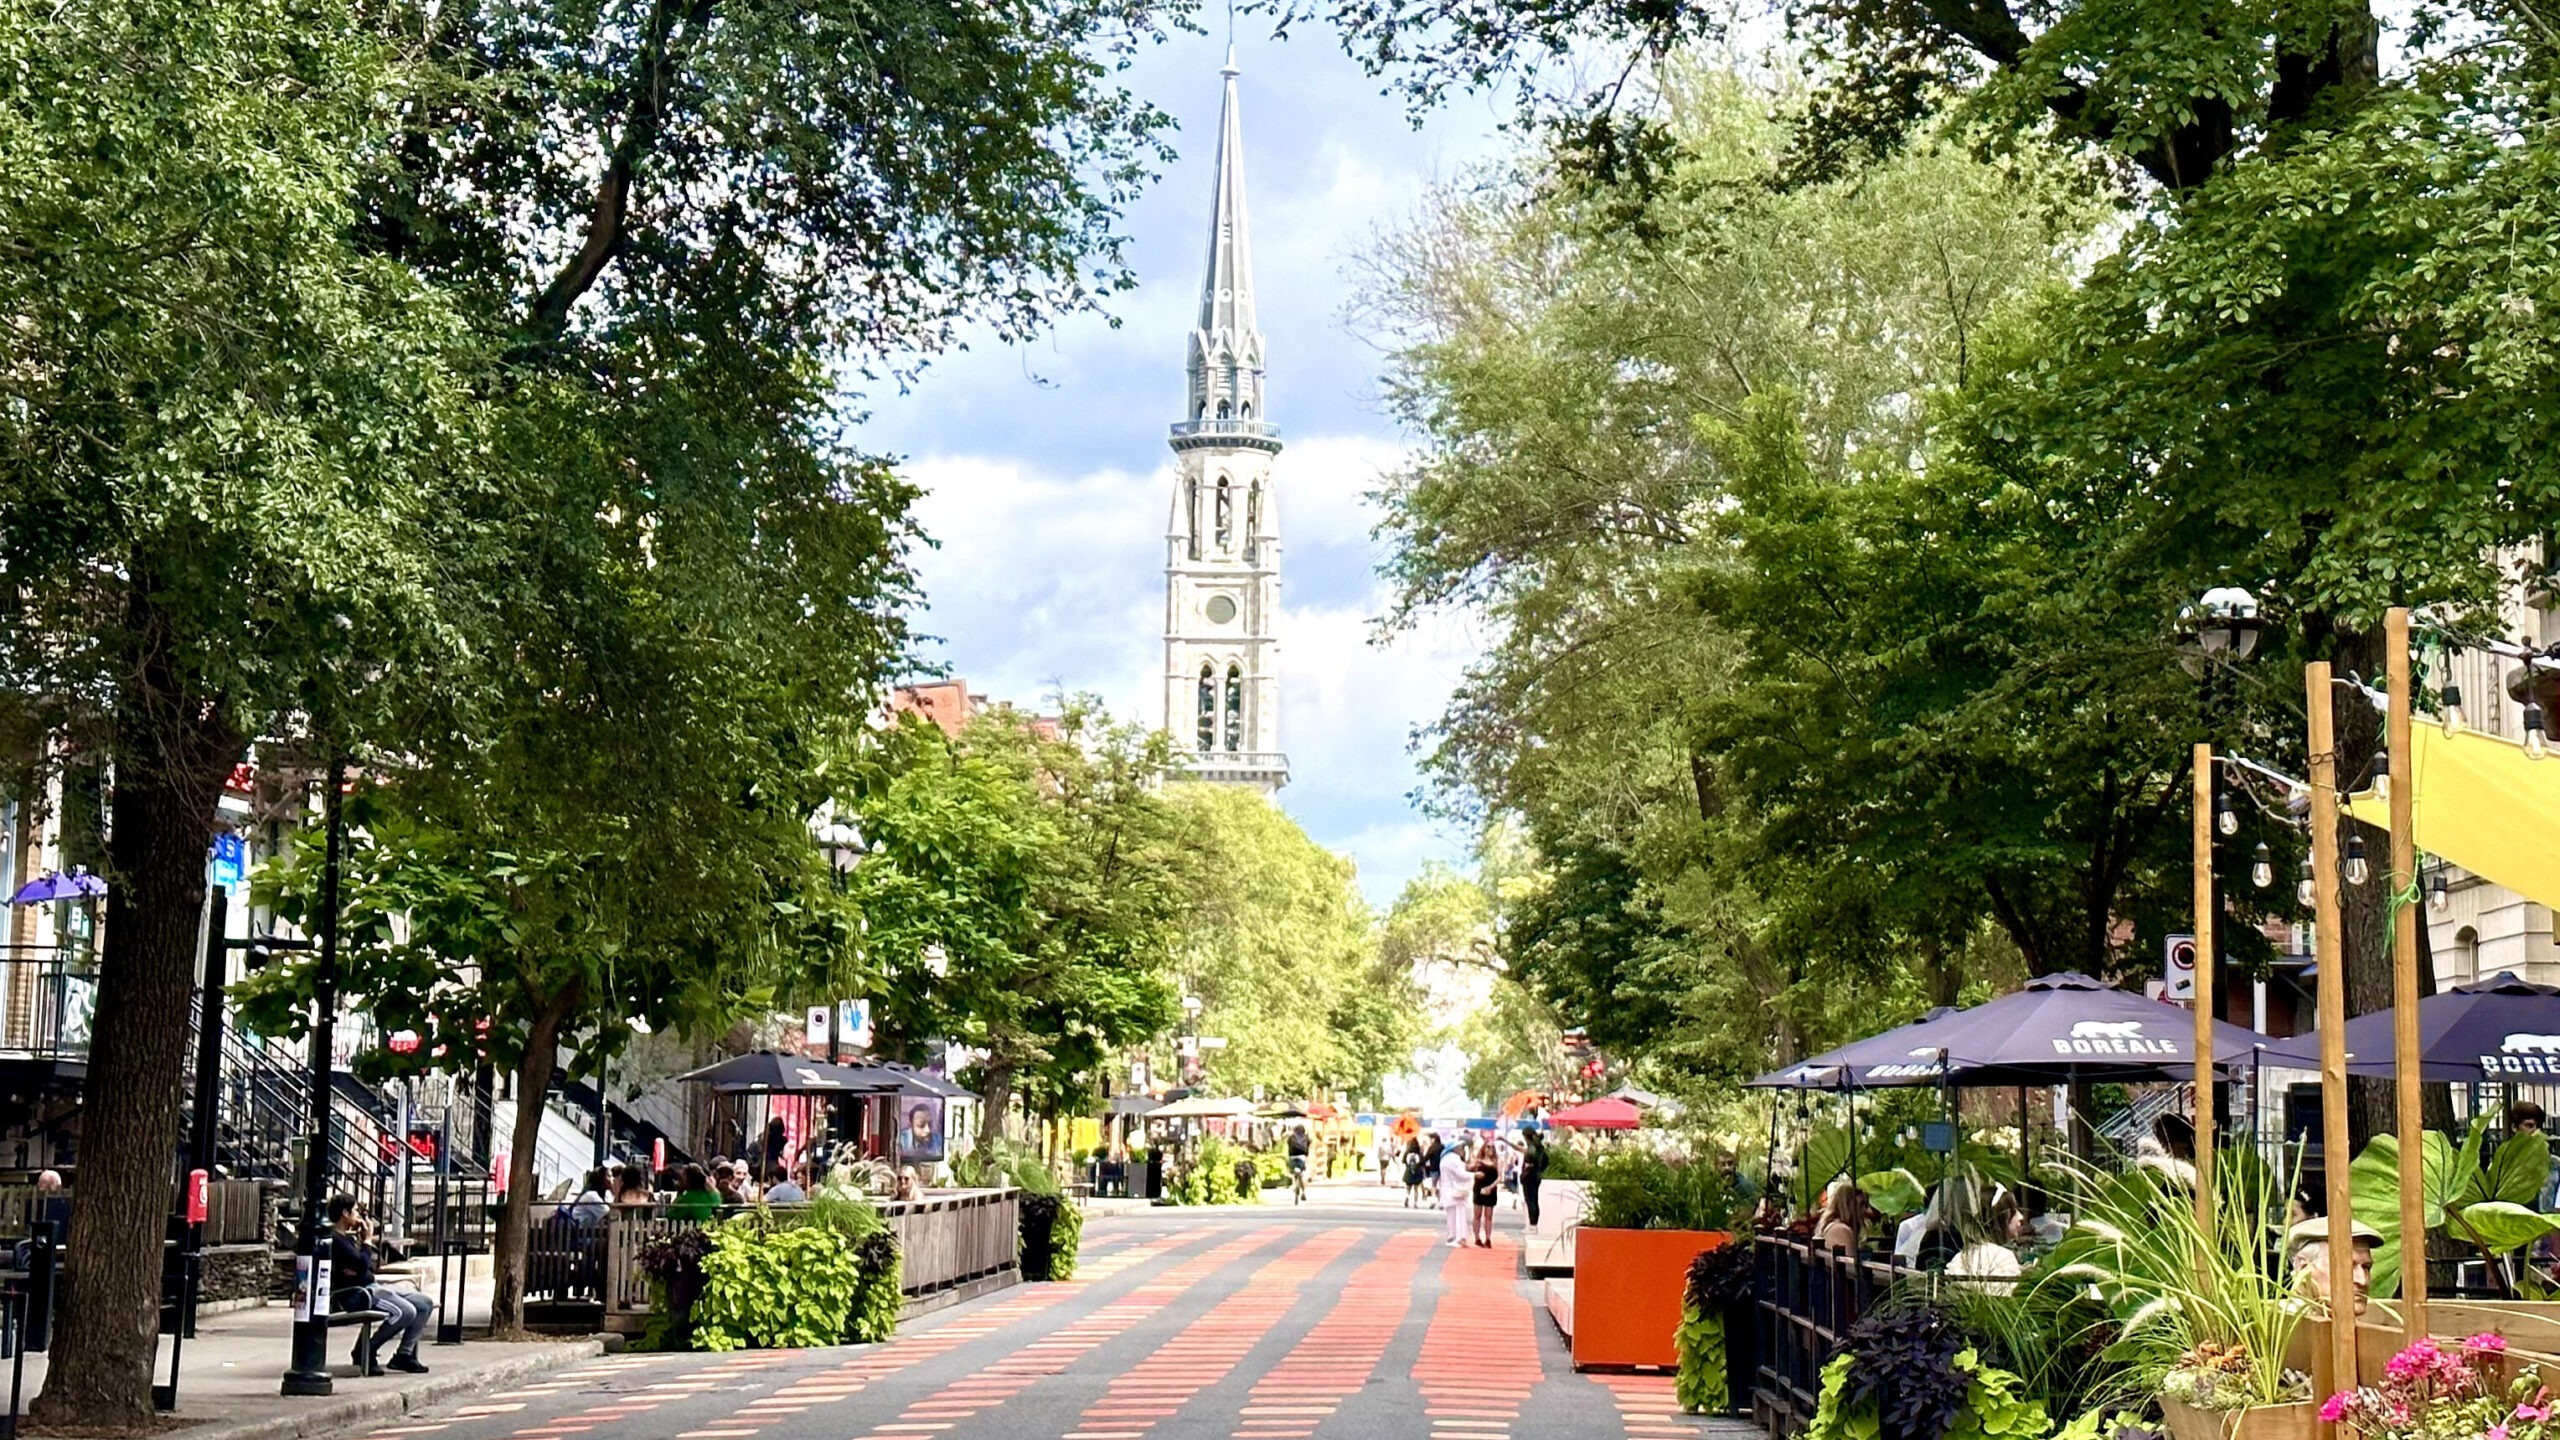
1222 544
1226 346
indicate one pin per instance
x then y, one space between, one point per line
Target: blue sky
1048 480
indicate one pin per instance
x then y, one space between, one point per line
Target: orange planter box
1626 1293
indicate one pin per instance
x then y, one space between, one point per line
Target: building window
1253 522
1235 708
1191 515
1226 516
1208 707
2466 956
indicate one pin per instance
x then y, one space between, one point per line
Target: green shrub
1701 1385
1271 1168
1566 1163
1639 1190
1992 1408
775 1288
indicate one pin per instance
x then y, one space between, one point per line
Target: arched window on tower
1253 522
1235 708
1208 707
1191 516
1222 409
1226 516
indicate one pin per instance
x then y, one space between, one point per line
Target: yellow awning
2484 806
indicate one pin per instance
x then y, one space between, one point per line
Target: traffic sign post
2178 970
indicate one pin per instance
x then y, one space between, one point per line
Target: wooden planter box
1626 1293
2258 1422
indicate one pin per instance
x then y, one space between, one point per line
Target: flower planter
2258 1422
1627 1286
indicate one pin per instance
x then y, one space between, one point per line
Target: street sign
853 1022
818 1024
199 1196
2178 973
230 859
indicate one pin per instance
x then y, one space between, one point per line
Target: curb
342 1412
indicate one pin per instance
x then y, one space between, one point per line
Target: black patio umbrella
2056 1030
923 1084
2498 1029
768 1072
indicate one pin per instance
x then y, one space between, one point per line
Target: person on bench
353 1287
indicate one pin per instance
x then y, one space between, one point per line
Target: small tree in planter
1646 1219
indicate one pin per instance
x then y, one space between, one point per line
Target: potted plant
2204 1324
1715 1340
1646 1220
2434 1390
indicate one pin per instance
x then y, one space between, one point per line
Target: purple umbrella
2059 1029
54 885
2501 1028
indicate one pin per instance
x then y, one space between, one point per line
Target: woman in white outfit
1456 1193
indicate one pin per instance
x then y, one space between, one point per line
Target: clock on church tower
1222 548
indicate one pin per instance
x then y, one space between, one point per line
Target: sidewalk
230 1373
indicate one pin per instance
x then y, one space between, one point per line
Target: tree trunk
515 1218
175 749
997 1080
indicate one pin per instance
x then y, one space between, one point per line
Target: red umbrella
1607 1113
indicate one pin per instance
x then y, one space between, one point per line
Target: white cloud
1044 580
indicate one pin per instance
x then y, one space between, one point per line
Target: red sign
199 1196
404 1042
658 1154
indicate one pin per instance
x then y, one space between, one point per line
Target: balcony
1228 434
1266 767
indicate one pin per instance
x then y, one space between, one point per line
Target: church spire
1226 348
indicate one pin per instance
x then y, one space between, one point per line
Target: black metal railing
1806 1297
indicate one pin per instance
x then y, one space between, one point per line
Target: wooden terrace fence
1805 1298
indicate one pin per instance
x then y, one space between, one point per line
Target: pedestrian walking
1456 1181
1431 1153
1412 1173
1486 1191
1533 1168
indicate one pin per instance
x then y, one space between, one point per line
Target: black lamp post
310 1372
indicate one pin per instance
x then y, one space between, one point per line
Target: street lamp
2226 622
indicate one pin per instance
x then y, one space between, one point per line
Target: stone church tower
1222 549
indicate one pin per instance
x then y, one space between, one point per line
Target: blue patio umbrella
55 885
2498 1029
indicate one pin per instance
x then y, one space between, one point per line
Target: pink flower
2485 1340
2335 1408
2533 1412
2498 1432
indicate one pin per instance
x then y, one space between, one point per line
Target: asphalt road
1345 1320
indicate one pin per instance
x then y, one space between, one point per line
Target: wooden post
2204 1006
2334 1144
2404 980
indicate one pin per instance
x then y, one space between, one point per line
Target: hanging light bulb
2358 872
2449 707
2262 867
2304 892
2536 743
2382 775
2225 818
2439 895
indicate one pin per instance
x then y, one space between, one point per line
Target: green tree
1673 434
1279 947
328 353
1019 893
230 446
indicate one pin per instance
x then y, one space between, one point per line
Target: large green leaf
1894 1192
2517 1173
2500 1226
2373 1182
1826 1158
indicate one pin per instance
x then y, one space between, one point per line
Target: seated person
354 1286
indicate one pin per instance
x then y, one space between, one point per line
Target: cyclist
1299 1143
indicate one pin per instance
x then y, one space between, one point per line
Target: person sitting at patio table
695 1199
1986 1259
1843 1218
